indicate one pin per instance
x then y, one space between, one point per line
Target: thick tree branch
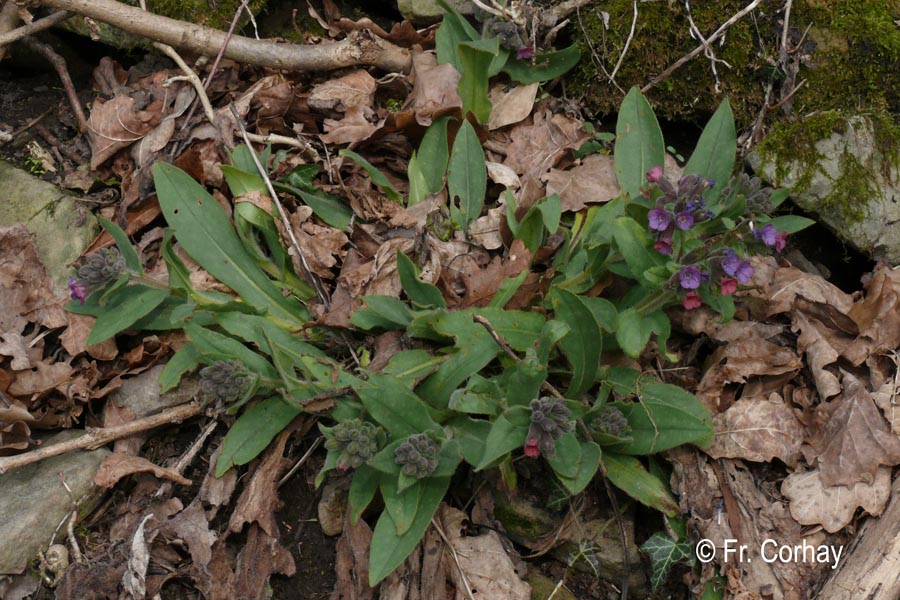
360 48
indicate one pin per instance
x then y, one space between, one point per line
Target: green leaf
714 156
524 379
507 290
179 276
666 416
588 463
409 366
551 212
395 407
566 458
779 196
125 308
389 550
633 330
331 210
242 182
632 242
503 438
639 143
252 432
378 178
205 232
467 178
544 67
664 553
418 185
791 223
401 504
630 476
216 346
475 58
362 491
480 397
471 435
420 293
382 312
242 158
454 29
132 260
259 331
582 344
185 360
434 154
604 312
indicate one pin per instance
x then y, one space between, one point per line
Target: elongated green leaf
409 366
205 232
362 491
630 476
508 289
125 308
132 260
185 360
400 411
633 330
467 179
454 29
631 239
544 67
389 550
664 553
566 458
253 431
242 182
713 158
665 417
216 346
242 158
434 154
471 434
504 437
480 397
420 293
588 463
378 178
331 210
473 355
582 344
382 312
791 223
259 331
639 143
475 58
401 504
418 185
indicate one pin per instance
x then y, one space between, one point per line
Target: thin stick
97 437
587 434
32 28
59 63
188 457
313 278
452 550
192 77
300 462
612 76
693 53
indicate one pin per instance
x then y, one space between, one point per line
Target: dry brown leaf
591 182
833 507
480 285
434 87
856 439
25 291
352 562
322 246
192 527
377 277
354 127
535 148
15 436
13 346
356 88
485 231
818 342
481 560
117 466
758 430
260 558
503 175
43 378
877 317
509 106
778 288
259 500
74 339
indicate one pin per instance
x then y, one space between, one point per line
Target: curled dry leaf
778 288
25 292
877 317
356 88
15 436
591 182
434 87
43 378
486 230
116 466
856 440
192 527
758 429
535 148
481 561
354 127
479 285
322 246
818 342
833 507
503 175
509 106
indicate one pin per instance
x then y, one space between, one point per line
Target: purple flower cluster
733 266
771 237
679 207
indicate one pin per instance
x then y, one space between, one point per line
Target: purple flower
525 53
663 245
684 220
730 262
659 219
654 174
744 272
690 278
77 290
781 241
768 235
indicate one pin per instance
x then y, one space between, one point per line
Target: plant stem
655 301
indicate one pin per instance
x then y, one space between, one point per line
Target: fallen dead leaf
192 527
434 87
25 292
591 182
758 429
43 378
833 507
74 339
352 562
356 88
511 105
354 127
117 466
535 148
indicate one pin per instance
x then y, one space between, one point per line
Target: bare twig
65 149
97 437
360 48
301 462
59 63
594 55
547 387
708 51
453 553
693 53
41 24
192 77
310 275
188 457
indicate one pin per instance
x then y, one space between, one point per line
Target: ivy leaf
664 553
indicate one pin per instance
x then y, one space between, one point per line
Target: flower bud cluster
223 383
550 419
96 270
417 456
357 442
611 421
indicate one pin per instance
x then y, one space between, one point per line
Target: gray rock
33 501
62 229
141 394
853 188
428 11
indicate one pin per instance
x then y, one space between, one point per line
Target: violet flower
659 219
690 278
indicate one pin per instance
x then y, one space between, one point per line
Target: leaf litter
801 381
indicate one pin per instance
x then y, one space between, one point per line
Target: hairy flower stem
654 301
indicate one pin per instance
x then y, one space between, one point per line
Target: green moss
217 15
